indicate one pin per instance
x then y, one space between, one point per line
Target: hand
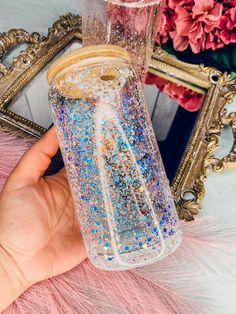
39 233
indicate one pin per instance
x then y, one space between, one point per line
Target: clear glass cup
125 208
131 24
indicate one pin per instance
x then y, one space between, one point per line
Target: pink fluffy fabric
12 147
189 281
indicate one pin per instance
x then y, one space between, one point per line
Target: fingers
36 160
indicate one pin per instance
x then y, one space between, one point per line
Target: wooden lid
77 55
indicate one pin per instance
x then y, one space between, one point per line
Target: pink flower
227 26
208 13
166 26
213 40
189 31
191 27
185 97
187 4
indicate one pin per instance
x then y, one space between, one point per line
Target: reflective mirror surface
172 123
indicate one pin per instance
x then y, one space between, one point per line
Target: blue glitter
75 117
141 137
171 232
117 150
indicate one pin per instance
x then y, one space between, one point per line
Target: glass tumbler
120 190
131 24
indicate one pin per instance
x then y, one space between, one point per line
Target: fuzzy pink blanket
197 278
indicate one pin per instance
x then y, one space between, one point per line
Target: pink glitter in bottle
131 24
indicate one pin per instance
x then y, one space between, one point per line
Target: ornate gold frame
30 62
188 184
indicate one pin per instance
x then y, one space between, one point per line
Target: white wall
33 15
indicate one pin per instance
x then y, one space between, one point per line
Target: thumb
34 162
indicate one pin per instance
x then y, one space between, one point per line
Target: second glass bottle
131 24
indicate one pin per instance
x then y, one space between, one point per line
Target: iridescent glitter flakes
123 200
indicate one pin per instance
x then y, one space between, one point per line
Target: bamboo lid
77 55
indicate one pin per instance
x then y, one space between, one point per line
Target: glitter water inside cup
124 204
